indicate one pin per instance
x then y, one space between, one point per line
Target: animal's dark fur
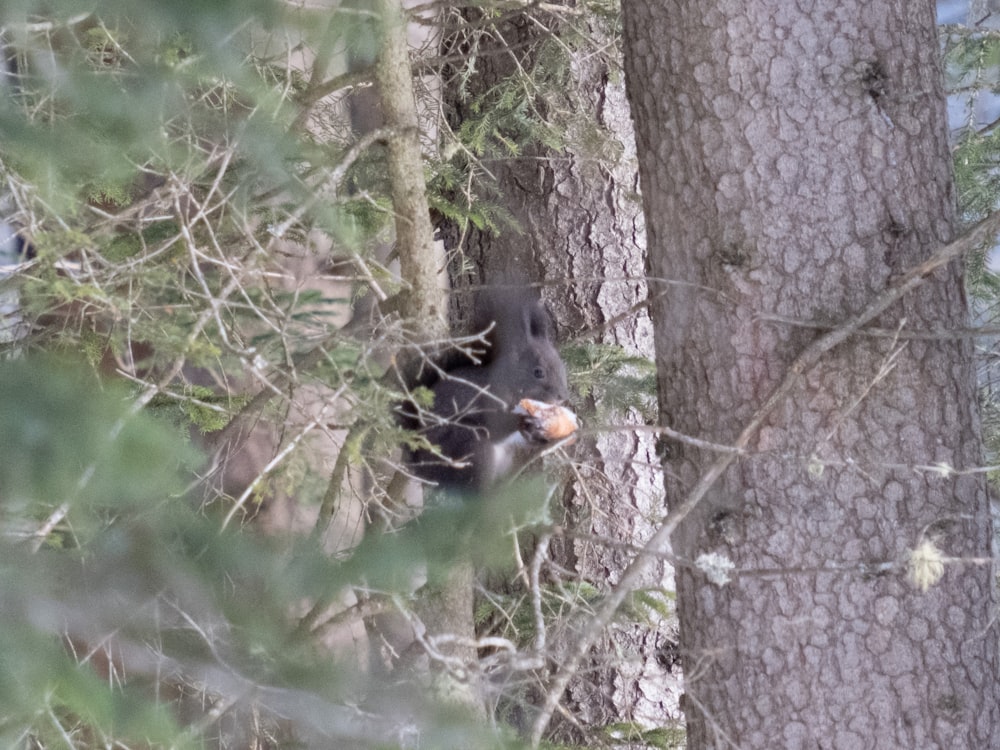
471 420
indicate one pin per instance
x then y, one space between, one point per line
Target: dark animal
472 421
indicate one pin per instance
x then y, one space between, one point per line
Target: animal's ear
537 322
515 318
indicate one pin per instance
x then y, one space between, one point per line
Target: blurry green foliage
66 437
150 151
615 380
634 734
103 639
155 154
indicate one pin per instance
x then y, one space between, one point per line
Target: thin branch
333 179
669 432
274 462
426 303
535 588
945 334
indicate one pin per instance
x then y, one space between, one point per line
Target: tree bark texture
418 261
448 609
583 242
794 162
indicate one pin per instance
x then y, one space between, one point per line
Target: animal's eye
539 373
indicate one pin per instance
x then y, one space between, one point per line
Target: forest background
227 224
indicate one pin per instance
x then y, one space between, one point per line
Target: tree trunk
426 299
794 163
582 241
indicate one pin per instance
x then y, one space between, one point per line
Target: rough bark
582 241
427 299
446 609
794 163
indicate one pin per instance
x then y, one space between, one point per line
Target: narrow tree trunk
418 261
794 163
446 609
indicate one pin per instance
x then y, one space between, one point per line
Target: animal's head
526 363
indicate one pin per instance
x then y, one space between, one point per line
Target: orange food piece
557 422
